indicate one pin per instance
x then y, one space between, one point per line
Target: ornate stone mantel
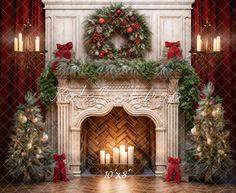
78 99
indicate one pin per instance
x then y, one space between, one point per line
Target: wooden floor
130 184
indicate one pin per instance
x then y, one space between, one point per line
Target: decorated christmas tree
29 154
212 150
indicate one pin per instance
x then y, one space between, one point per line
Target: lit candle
37 44
102 157
130 155
115 155
108 158
20 42
218 43
214 44
15 44
199 43
122 149
123 157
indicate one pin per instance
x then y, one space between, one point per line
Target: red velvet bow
174 50
173 167
60 168
67 46
64 50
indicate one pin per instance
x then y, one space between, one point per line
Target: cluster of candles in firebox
120 156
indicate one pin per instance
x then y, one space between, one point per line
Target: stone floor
130 184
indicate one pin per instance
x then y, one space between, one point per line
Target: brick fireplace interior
114 129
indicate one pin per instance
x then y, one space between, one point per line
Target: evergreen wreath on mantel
101 26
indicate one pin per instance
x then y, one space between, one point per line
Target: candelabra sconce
207 55
29 62
206 42
25 42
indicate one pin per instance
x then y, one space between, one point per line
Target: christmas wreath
101 26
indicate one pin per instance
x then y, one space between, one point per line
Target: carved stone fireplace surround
79 99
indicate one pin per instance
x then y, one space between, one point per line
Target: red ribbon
64 50
173 167
67 46
174 50
60 168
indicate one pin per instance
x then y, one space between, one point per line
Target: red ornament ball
118 11
130 30
101 55
106 51
102 20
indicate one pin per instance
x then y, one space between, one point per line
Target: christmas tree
211 144
30 156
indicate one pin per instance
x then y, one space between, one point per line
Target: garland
101 26
48 86
146 69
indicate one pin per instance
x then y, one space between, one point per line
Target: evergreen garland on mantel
146 69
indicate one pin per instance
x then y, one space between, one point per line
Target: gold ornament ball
209 141
194 130
221 152
23 154
198 148
22 118
203 113
45 137
29 145
216 113
39 151
35 120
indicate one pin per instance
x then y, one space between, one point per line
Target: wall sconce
205 42
24 41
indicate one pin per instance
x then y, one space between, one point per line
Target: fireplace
115 129
81 103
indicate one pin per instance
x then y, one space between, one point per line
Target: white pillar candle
37 44
108 158
15 44
122 149
123 158
130 155
20 42
115 155
214 44
218 43
102 157
199 43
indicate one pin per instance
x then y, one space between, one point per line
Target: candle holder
206 42
25 42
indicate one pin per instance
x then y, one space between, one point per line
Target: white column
160 151
75 165
63 129
173 125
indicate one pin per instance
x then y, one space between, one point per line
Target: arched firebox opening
115 129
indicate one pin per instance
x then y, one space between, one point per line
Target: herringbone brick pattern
115 129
